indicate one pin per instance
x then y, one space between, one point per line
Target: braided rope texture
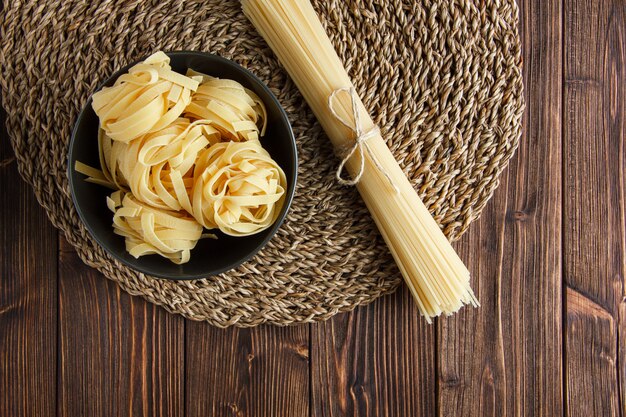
442 79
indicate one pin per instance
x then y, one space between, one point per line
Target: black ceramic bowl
210 256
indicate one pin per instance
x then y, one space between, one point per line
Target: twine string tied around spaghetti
360 140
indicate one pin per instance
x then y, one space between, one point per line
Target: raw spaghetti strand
437 278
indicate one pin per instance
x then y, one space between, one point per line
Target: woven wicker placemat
441 78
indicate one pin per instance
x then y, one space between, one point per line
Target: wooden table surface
547 258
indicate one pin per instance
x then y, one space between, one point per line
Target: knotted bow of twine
360 140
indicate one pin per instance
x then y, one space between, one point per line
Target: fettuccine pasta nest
183 154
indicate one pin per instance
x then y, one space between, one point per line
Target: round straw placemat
441 78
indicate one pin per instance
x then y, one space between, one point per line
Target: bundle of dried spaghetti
437 278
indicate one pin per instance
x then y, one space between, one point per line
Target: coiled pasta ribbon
157 167
148 98
148 230
238 188
234 110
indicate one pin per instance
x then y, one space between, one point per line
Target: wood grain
504 359
119 355
28 296
557 220
256 372
378 360
594 205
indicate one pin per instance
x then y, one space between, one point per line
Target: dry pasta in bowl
183 154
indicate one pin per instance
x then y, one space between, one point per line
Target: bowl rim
290 192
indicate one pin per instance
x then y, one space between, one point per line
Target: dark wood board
118 355
504 359
28 296
594 224
378 360
258 372
548 263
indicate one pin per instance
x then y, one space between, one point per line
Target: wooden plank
263 371
119 355
378 360
28 296
594 205
504 359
